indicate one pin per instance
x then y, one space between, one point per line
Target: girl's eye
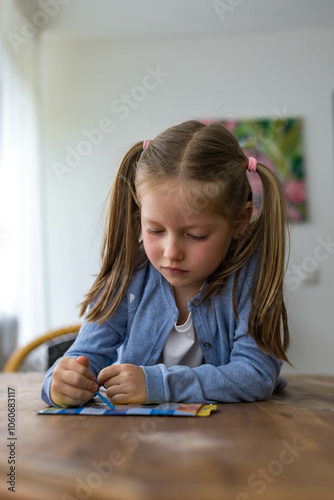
197 238
192 236
154 231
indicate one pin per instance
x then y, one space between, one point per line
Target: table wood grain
274 449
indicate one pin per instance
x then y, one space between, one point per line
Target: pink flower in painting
231 125
295 191
207 121
293 214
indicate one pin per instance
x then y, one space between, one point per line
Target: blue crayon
111 406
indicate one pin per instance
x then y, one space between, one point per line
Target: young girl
188 305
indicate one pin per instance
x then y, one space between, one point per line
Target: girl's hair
210 161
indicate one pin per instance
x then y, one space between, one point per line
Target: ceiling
146 18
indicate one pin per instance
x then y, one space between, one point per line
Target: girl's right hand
73 384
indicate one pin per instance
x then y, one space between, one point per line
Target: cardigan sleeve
249 376
99 342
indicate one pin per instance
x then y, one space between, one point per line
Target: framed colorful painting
278 144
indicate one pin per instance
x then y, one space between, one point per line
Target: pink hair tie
252 162
146 143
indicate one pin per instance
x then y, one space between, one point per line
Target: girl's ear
241 227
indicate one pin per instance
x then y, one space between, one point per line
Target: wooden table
282 448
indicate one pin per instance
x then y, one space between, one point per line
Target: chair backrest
55 349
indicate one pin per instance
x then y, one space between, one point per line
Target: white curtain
21 256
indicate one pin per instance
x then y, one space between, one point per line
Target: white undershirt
182 346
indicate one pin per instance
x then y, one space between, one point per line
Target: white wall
232 76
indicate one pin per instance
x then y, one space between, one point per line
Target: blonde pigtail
120 248
268 319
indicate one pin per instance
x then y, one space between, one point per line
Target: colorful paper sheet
170 409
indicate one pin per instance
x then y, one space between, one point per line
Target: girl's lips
174 270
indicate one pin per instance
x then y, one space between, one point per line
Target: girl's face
184 244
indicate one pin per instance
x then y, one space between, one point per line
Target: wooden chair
16 359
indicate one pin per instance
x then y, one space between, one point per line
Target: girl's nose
173 250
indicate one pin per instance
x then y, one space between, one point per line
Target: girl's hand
124 383
73 384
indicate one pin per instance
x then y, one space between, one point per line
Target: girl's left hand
124 383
